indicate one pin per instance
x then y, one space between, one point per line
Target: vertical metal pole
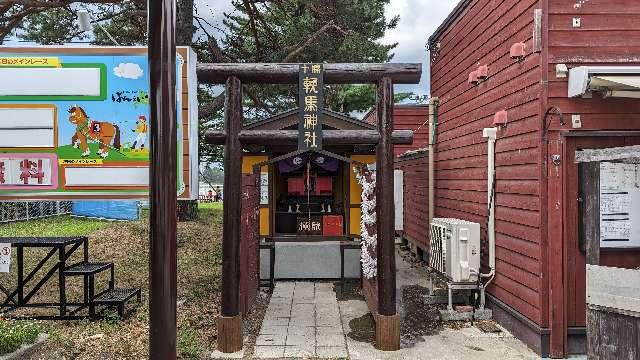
162 184
230 321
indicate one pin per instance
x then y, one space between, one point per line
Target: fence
26 210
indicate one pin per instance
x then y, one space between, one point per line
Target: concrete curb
25 350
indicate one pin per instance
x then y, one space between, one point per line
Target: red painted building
528 47
415 171
407 117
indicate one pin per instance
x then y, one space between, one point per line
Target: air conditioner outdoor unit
455 249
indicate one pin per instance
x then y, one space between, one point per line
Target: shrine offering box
310 225
295 186
332 225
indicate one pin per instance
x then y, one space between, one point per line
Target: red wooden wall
408 117
482 35
609 35
416 198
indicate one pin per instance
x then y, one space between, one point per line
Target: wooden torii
233 138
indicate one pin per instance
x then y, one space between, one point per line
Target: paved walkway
303 320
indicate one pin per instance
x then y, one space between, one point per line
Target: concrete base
310 260
439 296
452 315
484 314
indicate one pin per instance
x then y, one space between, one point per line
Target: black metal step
116 296
87 268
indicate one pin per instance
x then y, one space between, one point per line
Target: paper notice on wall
615 203
5 257
615 229
264 188
617 176
619 205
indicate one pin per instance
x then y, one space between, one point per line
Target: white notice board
619 205
5 257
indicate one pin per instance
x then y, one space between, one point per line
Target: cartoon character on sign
141 129
87 130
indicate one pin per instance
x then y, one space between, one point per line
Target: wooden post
589 173
162 183
230 320
387 321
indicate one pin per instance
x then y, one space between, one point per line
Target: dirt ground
126 244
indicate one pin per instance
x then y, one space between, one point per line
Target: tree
256 31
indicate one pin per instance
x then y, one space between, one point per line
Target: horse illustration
87 130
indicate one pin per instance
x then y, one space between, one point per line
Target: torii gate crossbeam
233 75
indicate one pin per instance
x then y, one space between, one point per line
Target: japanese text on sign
311 103
5 257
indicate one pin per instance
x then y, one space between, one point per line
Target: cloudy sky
418 20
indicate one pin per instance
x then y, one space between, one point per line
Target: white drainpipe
433 105
490 134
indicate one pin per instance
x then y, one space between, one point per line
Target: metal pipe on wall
490 134
433 109
162 183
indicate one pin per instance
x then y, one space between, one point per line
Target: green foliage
63 225
358 98
14 334
212 175
189 346
53 27
307 31
295 31
60 25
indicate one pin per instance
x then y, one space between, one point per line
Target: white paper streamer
367 219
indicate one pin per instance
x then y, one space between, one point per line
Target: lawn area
127 245
125 153
64 225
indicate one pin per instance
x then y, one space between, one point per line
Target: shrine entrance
308 196
312 137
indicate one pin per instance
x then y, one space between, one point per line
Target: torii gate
233 138
162 262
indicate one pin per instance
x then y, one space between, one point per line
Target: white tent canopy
609 81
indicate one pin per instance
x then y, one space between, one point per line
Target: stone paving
303 320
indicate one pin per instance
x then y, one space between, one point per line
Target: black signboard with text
310 85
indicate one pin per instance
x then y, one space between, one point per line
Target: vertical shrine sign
311 100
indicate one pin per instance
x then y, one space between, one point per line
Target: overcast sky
418 20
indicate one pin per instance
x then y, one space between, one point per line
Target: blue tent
111 210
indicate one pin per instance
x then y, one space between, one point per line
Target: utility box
455 249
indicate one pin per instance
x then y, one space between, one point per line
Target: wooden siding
609 35
416 199
408 117
482 35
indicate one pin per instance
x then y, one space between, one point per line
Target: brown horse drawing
101 132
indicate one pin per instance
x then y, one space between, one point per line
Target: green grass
64 225
211 205
14 334
69 152
189 346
